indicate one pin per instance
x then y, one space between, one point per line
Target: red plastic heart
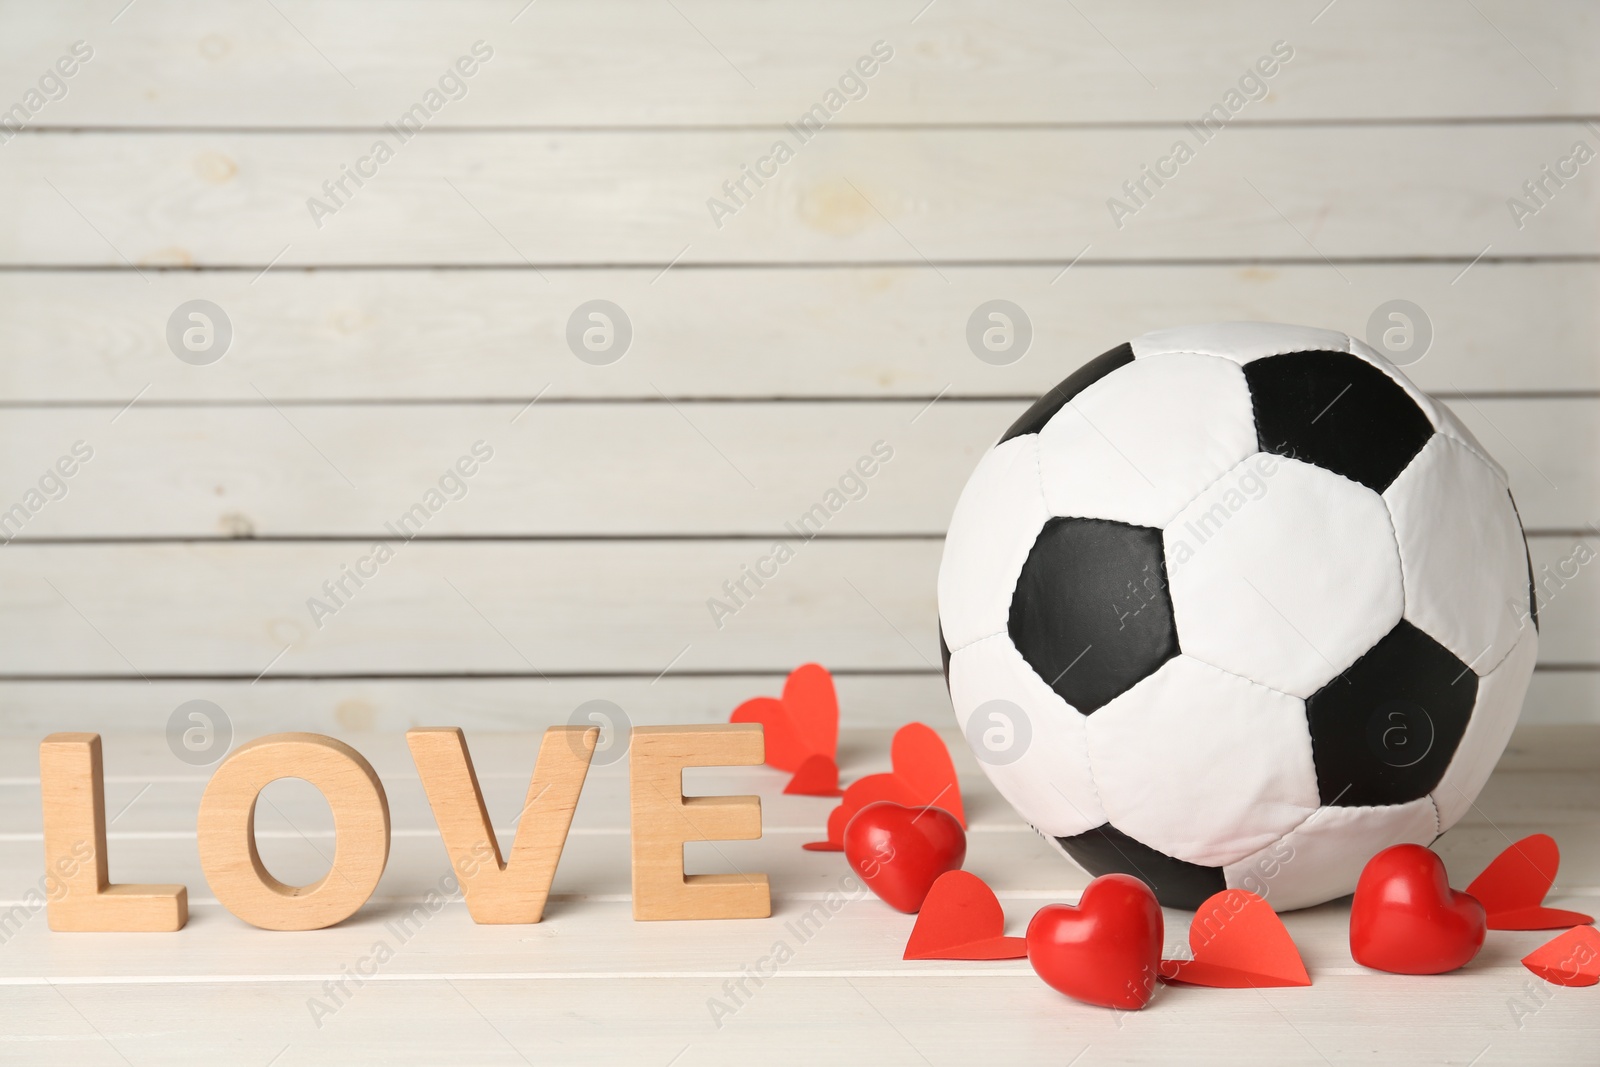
923 776
899 852
961 919
1406 919
1573 959
818 776
1105 951
803 722
1238 942
1513 887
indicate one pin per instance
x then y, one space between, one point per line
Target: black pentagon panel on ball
1384 731
1091 613
944 656
1533 594
1177 883
1337 411
1039 413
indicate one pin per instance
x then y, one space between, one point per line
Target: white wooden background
768 354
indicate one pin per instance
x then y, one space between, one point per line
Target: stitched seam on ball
1255 433
1038 465
1439 418
1365 807
1496 665
1438 821
1469 450
1304 715
1251 359
1094 782
1043 507
1189 352
1240 677
1088 751
979 641
1440 426
1238 369
1208 486
1522 635
1405 583
1088 758
1319 809
1399 560
1448 431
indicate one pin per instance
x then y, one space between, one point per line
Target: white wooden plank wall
769 351
772 346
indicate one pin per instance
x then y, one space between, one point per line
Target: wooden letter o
227 832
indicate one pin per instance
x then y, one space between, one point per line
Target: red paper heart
1406 919
1572 959
818 776
962 920
899 852
1105 951
923 776
1513 887
803 722
1238 942
838 818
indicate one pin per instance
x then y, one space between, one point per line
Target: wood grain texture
664 821
511 889
576 470
845 981
1547 776
225 832
881 332
533 609
376 707
79 891
855 196
561 62
432 308
895 1019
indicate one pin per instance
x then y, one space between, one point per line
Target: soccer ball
1237 606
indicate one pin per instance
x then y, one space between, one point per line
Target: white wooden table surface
589 984
769 352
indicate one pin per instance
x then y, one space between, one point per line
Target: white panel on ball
1494 716
1282 575
1203 765
1240 342
1461 553
1322 858
1108 454
1287 587
999 514
1044 773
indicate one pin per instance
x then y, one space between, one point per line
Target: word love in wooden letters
510 889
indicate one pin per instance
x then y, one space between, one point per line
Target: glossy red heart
1105 951
1513 887
961 919
1406 919
899 852
1238 942
923 776
1573 959
803 722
